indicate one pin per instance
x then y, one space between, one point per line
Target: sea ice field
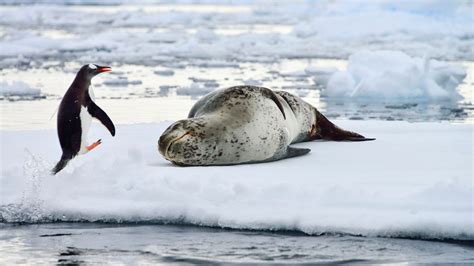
401 72
413 182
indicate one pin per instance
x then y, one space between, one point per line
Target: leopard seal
246 124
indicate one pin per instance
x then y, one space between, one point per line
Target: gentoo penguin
75 114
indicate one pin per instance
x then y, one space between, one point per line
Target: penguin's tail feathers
61 164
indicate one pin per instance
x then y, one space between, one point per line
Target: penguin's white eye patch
91 66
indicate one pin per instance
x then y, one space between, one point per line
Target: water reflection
143 94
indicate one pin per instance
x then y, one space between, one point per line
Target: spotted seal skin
246 124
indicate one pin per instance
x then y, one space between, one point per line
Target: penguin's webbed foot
93 145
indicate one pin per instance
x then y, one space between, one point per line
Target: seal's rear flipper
325 129
295 152
359 139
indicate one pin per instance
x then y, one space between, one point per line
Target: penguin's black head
91 70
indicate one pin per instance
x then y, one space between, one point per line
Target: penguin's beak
104 69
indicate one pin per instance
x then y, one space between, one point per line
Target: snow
394 75
17 88
230 31
415 180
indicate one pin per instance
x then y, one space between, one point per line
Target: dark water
77 243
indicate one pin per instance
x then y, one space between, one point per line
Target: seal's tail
61 164
328 131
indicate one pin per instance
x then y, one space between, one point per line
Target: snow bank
394 75
17 88
415 181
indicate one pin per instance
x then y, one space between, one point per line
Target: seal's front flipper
295 152
98 113
272 95
289 153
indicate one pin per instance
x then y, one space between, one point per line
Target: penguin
75 114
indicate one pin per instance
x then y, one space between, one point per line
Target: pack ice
394 75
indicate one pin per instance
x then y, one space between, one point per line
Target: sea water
137 94
96 243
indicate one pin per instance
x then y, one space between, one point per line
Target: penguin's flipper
98 113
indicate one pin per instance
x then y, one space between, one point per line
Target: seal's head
188 142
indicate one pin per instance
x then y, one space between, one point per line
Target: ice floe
121 81
165 72
18 88
195 89
394 75
379 188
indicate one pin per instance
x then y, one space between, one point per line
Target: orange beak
104 69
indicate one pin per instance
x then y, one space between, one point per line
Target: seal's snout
182 143
164 143
168 144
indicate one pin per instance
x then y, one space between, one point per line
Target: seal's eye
91 66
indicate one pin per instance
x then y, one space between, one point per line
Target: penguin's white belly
86 120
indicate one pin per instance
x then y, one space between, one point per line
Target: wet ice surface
109 244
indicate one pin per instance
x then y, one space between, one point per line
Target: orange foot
93 145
